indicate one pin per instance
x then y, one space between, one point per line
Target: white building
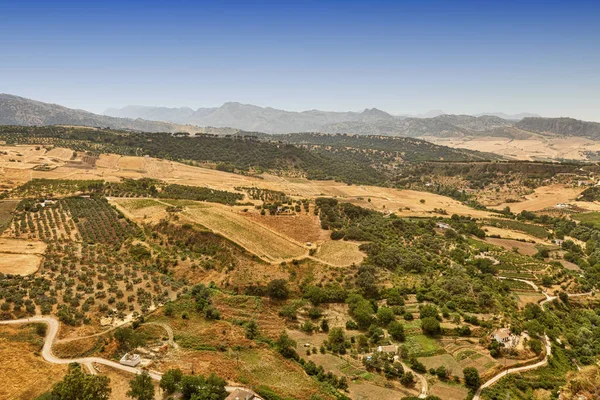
131 360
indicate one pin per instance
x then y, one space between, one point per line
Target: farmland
229 261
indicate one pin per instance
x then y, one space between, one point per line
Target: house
388 349
242 394
442 225
131 360
504 336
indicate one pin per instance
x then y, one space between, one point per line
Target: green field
6 209
421 345
530 229
592 218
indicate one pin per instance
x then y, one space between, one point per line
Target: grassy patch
421 345
591 218
530 229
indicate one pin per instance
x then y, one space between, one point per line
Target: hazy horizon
462 57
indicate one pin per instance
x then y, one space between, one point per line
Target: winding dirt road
53 326
548 343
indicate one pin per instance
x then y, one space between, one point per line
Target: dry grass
113 167
20 257
536 147
77 348
24 374
301 227
448 392
368 391
528 249
255 238
18 246
510 234
340 253
443 359
544 197
527 298
119 383
19 264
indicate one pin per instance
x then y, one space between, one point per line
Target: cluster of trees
238 152
193 387
144 187
98 221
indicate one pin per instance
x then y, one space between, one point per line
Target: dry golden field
511 234
535 147
545 197
24 375
113 167
20 257
339 252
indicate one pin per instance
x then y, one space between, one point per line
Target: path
169 331
424 384
53 326
502 374
541 363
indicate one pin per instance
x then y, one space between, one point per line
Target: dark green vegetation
385 149
590 194
375 160
78 385
91 220
144 187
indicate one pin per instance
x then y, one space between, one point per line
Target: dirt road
53 326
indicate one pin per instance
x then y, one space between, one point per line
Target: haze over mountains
15 110
270 120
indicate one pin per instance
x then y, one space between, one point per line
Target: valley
286 281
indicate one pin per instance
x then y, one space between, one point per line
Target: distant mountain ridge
561 126
233 117
368 122
249 117
15 110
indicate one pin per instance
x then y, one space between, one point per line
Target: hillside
250 117
15 110
561 126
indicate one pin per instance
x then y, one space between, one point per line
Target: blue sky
399 56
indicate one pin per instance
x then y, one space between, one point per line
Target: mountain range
232 117
270 120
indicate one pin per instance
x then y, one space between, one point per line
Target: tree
337 340
430 326
128 338
536 346
396 331
428 310
252 330
170 380
197 387
141 387
472 379
385 315
76 385
278 289
408 379
285 345
442 372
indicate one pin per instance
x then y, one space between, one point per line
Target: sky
404 57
